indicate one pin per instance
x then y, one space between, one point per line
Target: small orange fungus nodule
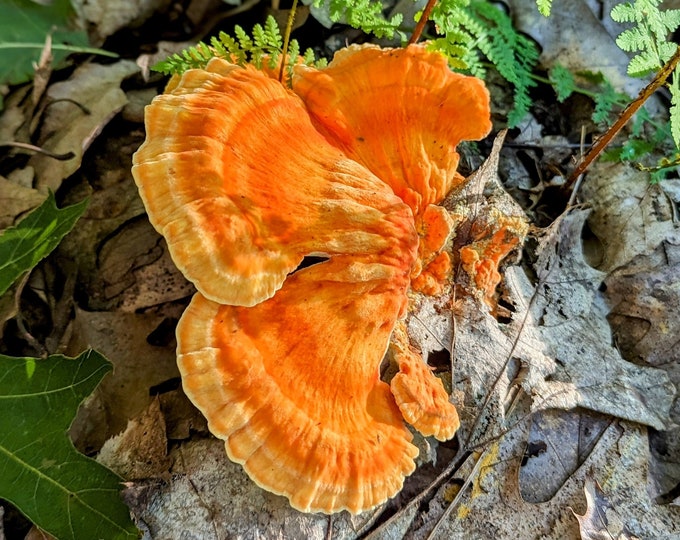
246 177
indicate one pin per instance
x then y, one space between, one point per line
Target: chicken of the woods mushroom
245 177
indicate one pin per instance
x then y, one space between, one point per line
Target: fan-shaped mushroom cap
243 187
298 398
399 112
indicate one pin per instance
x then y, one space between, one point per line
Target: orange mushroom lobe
245 177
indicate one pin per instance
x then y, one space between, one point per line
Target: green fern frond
544 7
366 15
649 36
514 56
455 40
470 28
241 48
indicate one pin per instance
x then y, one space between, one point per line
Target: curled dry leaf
645 296
138 366
284 361
601 520
494 508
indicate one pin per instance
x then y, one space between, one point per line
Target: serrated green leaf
633 39
623 13
642 64
24 26
63 492
34 237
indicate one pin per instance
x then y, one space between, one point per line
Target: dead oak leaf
568 323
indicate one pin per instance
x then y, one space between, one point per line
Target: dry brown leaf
68 128
105 17
566 321
630 216
123 263
601 520
558 443
138 366
495 509
140 451
575 38
37 534
645 297
16 200
136 271
181 417
559 337
637 224
15 116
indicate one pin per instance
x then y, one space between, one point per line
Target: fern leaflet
675 108
562 81
649 35
544 7
265 43
366 15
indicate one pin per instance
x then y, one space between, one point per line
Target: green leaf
34 237
24 25
563 82
70 496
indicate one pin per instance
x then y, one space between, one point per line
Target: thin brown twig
579 179
32 147
422 22
286 39
474 473
601 143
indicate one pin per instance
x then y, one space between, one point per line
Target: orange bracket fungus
246 177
